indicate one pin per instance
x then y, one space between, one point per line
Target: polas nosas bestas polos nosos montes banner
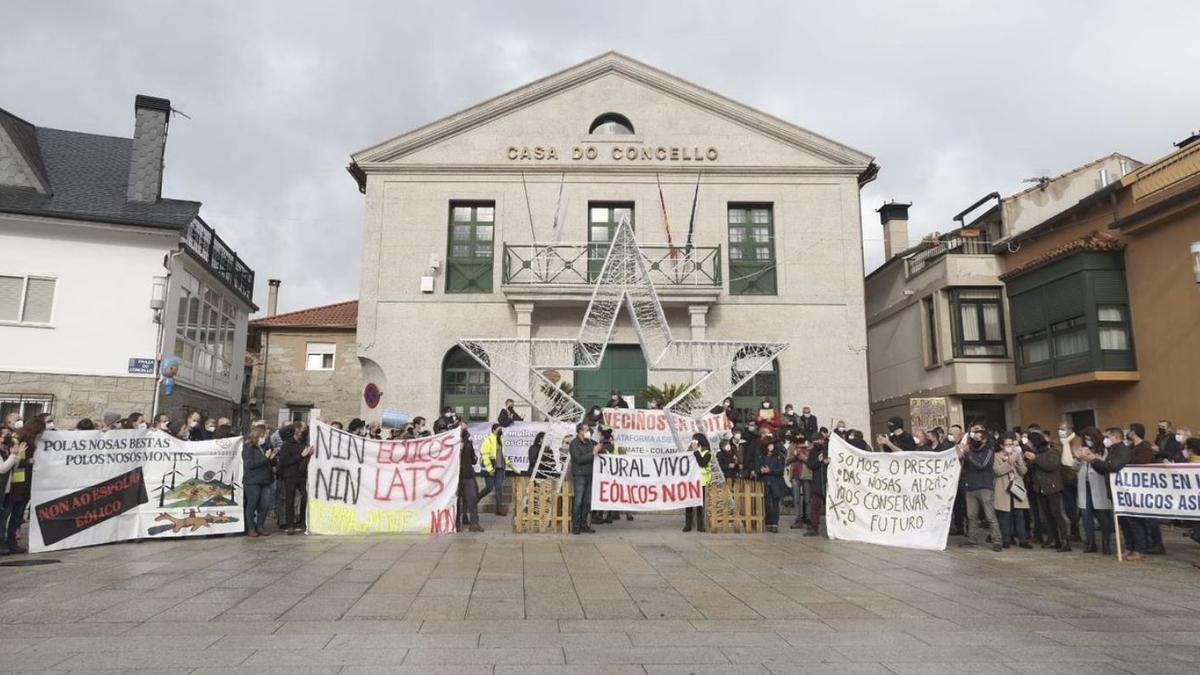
358 485
98 487
1157 491
902 499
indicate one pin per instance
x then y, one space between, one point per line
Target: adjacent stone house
305 363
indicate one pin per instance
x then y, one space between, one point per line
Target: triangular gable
613 63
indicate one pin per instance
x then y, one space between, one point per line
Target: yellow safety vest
488 452
706 471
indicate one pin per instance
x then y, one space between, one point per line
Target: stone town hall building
460 240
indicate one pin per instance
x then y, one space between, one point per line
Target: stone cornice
616 169
636 71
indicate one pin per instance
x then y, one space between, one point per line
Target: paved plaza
637 597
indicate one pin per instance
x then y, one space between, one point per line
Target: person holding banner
583 451
702 451
818 462
770 472
468 489
293 470
18 480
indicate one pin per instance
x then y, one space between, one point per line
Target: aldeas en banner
98 487
902 499
358 485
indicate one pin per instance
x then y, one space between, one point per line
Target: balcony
926 258
538 271
202 241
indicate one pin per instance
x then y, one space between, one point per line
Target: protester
22 447
1169 443
1009 493
818 463
702 452
791 421
616 400
535 449
594 417
726 408
1143 535
442 423
293 471
508 414
1093 491
727 459
258 480
468 489
1047 478
583 453
1067 440
768 418
770 472
493 460
896 439
978 458
162 422
797 461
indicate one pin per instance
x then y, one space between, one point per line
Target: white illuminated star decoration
719 367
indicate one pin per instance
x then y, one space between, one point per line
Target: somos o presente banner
1157 490
97 487
902 499
358 485
646 431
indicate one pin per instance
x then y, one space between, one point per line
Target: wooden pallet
736 506
541 506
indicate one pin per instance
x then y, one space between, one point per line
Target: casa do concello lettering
632 153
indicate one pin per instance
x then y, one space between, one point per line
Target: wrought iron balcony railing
580 264
203 241
950 246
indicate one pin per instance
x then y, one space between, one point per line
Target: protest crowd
1023 487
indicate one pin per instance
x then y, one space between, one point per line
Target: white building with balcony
101 276
493 222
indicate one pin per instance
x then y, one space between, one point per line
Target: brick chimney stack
894 218
149 143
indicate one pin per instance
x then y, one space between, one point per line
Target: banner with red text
646 431
646 482
902 499
99 487
359 485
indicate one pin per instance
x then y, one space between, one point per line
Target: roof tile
337 315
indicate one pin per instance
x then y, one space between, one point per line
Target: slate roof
86 177
337 315
1096 241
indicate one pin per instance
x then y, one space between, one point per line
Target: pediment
677 124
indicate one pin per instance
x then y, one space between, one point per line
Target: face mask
790 411
193 424
1179 438
1063 434
163 426
49 426
977 436
766 404
18 424
141 425
209 428
1090 444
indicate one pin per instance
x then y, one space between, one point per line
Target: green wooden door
603 219
623 367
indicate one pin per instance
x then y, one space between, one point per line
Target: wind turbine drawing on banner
717 367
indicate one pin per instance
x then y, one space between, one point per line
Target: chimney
272 297
894 218
149 142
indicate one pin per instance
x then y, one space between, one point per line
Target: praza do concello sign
902 499
98 487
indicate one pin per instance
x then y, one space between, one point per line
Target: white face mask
1108 442
141 425
1179 438
1063 434
49 426
18 424
193 424
950 437
209 428
163 425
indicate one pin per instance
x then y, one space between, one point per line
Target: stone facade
533 142
281 382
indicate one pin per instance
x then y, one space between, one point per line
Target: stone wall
79 396
336 393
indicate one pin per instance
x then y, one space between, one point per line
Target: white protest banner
646 432
902 499
516 437
359 485
98 487
1157 490
645 482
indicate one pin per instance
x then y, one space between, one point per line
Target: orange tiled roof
1096 241
337 315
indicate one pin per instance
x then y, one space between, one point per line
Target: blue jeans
259 500
1091 515
493 482
10 520
1013 523
582 503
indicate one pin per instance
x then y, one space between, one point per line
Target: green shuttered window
469 251
751 249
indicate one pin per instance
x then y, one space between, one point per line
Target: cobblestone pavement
638 597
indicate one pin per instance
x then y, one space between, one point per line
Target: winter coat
291 462
1113 460
1005 475
256 467
809 426
507 417
978 465
1091 479
1144 453
728 462
1047 474
819 468
770 416
582 456
770 472
466 460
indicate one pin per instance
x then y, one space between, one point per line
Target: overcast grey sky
954 99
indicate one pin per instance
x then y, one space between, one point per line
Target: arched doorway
465 386
747 400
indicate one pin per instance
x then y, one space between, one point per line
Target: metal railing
951 246
579 264
221 260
